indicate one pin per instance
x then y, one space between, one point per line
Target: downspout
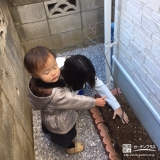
107 36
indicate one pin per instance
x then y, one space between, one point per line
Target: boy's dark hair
78 70
36 58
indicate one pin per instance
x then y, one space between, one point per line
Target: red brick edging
103 130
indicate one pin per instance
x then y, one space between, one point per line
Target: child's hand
100 102
123 116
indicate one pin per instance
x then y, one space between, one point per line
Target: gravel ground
86 132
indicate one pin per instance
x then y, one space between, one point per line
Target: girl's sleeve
60 61
103 90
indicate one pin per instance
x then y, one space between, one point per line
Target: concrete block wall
137 30
60 25
16 116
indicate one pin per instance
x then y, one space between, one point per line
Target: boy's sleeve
103 90
63 99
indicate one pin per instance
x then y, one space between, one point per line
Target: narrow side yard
86 132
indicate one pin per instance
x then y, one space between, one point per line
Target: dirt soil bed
130 137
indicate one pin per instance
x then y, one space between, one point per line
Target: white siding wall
137 31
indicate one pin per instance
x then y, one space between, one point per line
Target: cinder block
89 4
91 33
59 8
13 3
18 140
28 13
73 38
45 41
6 128
64 24
69 48
93 17
33 30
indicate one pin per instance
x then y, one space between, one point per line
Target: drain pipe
107 36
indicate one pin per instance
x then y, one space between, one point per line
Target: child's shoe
77 149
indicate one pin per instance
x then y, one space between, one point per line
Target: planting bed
129 137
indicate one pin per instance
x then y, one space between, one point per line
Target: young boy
47 92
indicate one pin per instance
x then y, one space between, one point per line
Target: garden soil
130 140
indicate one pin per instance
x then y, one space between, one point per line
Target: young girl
77 70
48 93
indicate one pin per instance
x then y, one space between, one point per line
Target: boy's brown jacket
58 111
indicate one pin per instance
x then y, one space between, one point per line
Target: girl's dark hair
36 58
78 70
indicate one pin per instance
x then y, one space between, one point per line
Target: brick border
103 130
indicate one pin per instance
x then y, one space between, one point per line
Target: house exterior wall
16 116
137 32
60 25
